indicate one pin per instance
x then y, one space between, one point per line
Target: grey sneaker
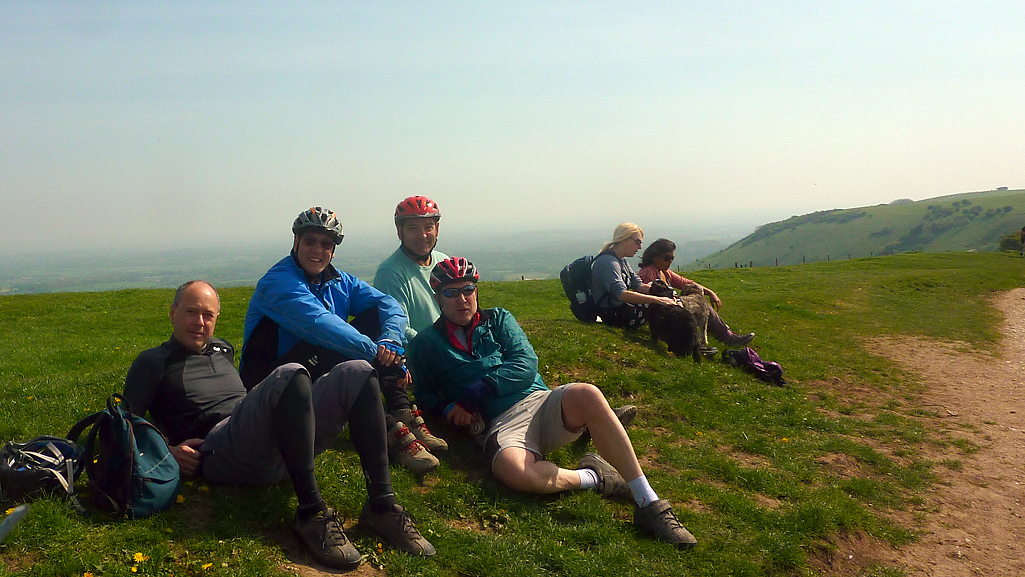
396 527
735 340
322 534
626 415
610 483
658 519
409 452
413 419
708 351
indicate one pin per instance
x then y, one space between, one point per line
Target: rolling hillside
970 221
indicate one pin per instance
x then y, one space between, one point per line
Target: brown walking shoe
409 452
413 418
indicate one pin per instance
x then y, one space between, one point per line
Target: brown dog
678 326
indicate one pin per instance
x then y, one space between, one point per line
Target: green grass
763 476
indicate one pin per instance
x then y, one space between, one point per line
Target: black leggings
294 425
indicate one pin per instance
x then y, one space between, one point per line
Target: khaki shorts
534 424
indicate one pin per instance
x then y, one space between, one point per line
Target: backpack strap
76 430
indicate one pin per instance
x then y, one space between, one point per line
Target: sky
138 124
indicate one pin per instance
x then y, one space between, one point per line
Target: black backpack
41 466
131 471
576 282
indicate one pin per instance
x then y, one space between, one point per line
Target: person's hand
669 301
714 298
458 416
189 458
405 382
386 356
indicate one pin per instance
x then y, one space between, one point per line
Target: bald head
194 314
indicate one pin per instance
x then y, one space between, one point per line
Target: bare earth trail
973 522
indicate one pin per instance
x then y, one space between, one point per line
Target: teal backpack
131 471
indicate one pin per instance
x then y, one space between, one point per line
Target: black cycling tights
294 425
369 435
294 428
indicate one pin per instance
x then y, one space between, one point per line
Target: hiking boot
408 451
626 415
610 483
735 340
657 519
415 421
322 534
396 527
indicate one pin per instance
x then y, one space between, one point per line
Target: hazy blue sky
141 122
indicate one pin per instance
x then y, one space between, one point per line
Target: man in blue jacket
474 361
300 312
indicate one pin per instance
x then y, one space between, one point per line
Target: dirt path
973 523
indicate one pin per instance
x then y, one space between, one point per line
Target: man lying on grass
195 397
474 360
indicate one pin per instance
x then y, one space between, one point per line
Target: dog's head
660 289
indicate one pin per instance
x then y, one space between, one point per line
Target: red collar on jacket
451 328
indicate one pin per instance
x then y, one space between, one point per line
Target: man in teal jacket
480 361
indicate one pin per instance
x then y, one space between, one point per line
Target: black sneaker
323 536
396 527
735 340
658 519
708 351
610 483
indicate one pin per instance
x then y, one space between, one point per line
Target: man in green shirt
405 275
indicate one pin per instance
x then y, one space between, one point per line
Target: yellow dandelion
30 397
207 566
135 569
188 483
204 488
87 574
786 440
139 557
698 433
9 511
180 499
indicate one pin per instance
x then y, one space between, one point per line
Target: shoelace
334 534
670 519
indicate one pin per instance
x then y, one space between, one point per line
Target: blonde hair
624 231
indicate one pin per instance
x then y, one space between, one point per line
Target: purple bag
749 360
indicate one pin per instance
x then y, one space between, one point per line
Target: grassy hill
960 222
768 479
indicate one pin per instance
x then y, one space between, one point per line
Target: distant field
768 479
962 222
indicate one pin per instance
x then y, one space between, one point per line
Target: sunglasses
451 293
310 242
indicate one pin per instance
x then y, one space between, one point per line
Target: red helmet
452 269
320 220
416 207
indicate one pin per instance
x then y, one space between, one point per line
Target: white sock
644 495
588 478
